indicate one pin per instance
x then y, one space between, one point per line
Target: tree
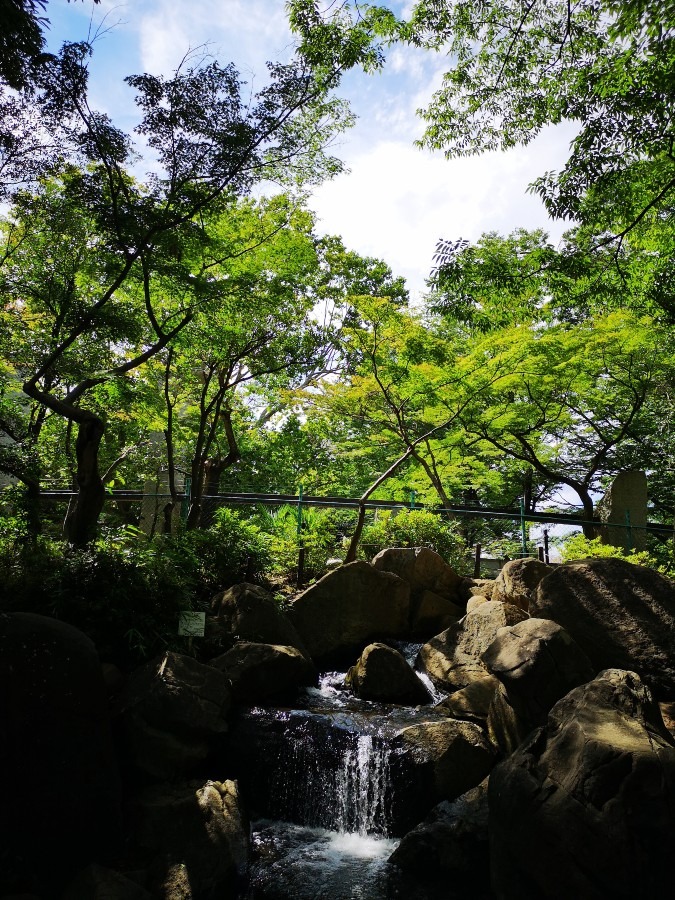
209 148
573 399
516 67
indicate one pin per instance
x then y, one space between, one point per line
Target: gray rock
98 883
382 674
450 844
349 607
457 754
422 568
537 663
621 615
586 806
174 710
518 580
452 659
198 836
472 702
60 793
258 672
250 613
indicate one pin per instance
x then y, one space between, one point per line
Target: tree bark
82 519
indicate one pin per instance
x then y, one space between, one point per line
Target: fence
302 502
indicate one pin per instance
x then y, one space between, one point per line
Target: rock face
349 607
259 672
249 613
60 796
98 883
537 663
422 568
586 806
435 587
471 703
450 845
621 616
457 754
198 838
518 580
452 658
382 674
174 711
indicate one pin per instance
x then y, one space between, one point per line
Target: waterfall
363 789
325 774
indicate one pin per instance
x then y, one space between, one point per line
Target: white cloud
246 32
397 201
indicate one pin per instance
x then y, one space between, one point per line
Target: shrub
579 547
416 528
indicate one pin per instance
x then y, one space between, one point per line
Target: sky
395 201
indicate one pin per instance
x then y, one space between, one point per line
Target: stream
323 784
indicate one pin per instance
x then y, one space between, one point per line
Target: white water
363 788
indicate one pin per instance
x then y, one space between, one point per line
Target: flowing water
328 798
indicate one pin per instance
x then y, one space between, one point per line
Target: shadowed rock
382 674
586 806
259 672
175 708
349 607
621 615
537 663
452 659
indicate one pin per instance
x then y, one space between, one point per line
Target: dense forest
190 324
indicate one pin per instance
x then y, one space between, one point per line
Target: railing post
476 562
523 527
185 505
546 554
301 547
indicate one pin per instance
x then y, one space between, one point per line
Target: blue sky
396 200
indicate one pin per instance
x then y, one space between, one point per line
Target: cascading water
332 791
364 789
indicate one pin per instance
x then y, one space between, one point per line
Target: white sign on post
192 624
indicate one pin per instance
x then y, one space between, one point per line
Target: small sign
192 624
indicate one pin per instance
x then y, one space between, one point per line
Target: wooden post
540 551
476 562
547 559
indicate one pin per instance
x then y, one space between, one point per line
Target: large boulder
621 615
472 702
99 883
452 659
450 846
456 755
422 568
259 672
250 613
382 674
537 663
436 590
60 793
586 806
174 711
196 837
518 580
349 607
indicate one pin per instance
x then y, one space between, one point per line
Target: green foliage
579 547
126 591
416 528
321 534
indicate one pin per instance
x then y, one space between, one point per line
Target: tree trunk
82 520
356 537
